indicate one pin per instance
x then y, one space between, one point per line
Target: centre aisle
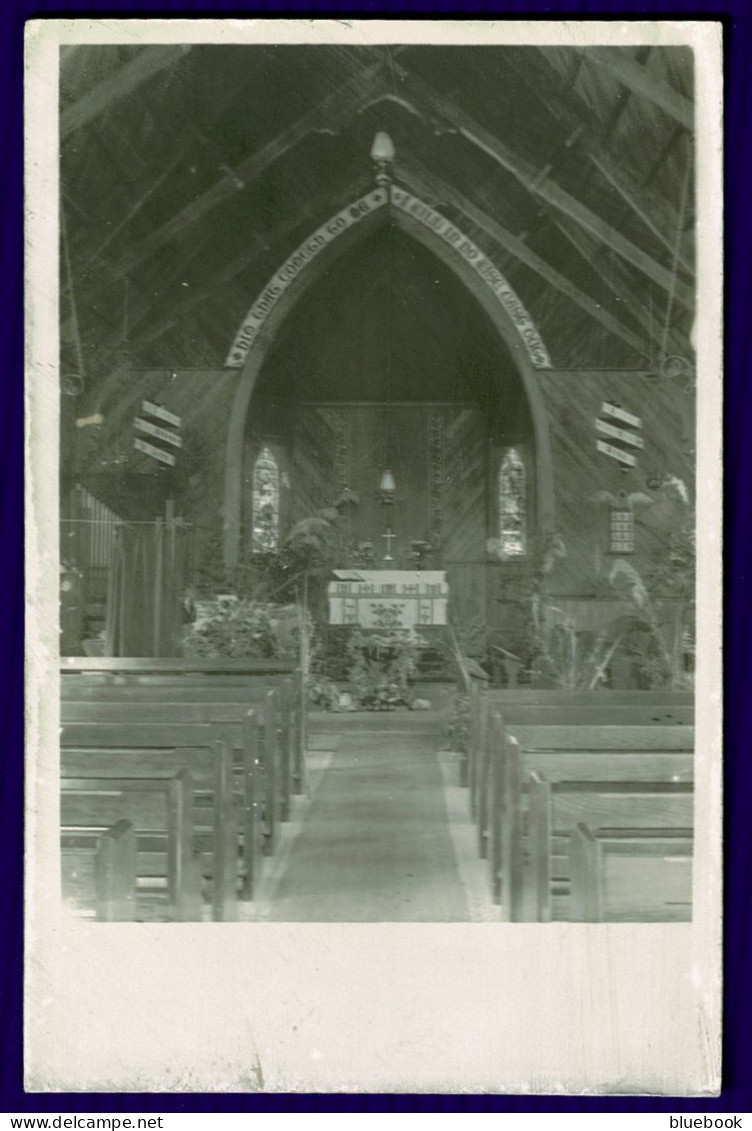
375 844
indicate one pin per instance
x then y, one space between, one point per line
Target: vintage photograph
387 540
377 499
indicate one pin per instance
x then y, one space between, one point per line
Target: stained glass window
512 505
265 503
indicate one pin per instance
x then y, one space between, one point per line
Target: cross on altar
389 536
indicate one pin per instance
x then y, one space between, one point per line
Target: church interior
377 482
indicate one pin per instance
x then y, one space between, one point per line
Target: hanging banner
152 409
158 433
618 413
616 453
630 438
155 453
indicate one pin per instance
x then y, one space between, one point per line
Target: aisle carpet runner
375 844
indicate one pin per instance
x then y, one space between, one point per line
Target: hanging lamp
382 154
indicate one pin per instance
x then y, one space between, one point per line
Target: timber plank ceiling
189 173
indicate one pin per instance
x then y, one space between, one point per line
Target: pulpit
383 598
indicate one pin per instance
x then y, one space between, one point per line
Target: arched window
265 503
512 505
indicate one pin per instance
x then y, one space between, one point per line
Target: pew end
115 870
618 879
98 877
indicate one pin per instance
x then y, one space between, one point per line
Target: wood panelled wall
573 403
133 485
465 515
483 591
437 454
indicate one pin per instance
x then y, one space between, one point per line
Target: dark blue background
737 1074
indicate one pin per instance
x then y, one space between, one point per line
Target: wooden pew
594 760
189 709
160 811
213 691
603 714
526 696
634 811
115 873
100 878
616 879
521 707
83 690
555 714
136 750
175 665
272 751
525 707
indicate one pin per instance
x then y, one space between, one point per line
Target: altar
382 598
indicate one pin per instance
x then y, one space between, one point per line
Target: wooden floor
375 842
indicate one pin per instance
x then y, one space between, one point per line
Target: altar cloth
388 598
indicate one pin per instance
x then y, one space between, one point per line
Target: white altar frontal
382 598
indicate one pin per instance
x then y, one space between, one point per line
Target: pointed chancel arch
308 263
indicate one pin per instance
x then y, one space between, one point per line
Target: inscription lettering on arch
489 272
345 219
301 258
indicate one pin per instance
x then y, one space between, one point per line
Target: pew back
596 714
176 665
159 810
619 880
166 711
633 776
636 814
200 701
166 724
128 751
99 876
555 723
599 737
175 691
529 697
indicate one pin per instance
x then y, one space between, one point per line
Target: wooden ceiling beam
639 80
176 151
632 203
613 276
677 136
572 111
144 297
342 102
148 63
425 183
543 187
315 211
428 183
565 203
596 257
200 295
